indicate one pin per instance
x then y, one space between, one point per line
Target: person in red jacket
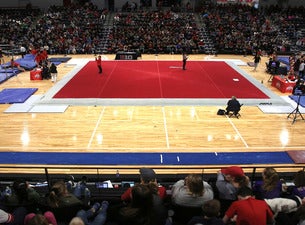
99 63
248 210
147 176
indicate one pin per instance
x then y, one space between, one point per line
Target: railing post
47 178
252 176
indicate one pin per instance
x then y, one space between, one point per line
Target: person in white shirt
22 51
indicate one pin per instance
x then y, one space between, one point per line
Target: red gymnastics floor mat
159 79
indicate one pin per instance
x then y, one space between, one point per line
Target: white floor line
239 135
95 128
165 127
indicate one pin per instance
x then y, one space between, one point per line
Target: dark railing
165 174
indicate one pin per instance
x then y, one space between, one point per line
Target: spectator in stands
62 203
147 176
97 215
299 184
210 210
270 186
5 217
229 180
22 195
284 208
192 191
141 210
233 106
47 218
76 221
82 191
14 218
60 197
248 210
299 216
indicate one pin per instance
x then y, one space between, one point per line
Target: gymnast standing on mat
99 63
184 58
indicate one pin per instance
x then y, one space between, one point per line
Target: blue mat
16 95
28 62
60 59
52 158
5 75
284 59
296 97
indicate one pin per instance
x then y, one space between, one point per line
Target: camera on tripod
299 88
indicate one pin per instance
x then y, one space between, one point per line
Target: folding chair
235 113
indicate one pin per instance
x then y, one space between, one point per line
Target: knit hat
147 174
234 171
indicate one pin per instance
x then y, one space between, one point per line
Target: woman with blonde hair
270 186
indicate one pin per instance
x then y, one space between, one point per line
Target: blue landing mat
284 59
60 59
52 158
296 97
16 95
5 75
28 62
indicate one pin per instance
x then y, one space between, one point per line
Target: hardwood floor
145 128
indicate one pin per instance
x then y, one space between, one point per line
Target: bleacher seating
113 195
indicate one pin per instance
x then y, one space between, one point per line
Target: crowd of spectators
241 29
154 32
60 30
237 29
230 198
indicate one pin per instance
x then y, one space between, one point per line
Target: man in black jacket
233 105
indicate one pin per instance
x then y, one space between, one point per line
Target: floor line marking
95 128
165 127
238 133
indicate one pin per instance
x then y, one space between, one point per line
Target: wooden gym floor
145 128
